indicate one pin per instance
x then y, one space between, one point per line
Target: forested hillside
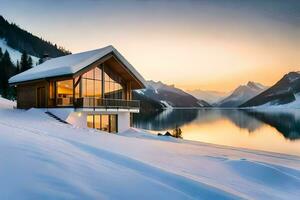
22 40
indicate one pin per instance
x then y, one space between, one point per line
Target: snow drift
44 159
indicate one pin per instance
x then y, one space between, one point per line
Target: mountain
242 94
20 40
167 96
285 91
207 95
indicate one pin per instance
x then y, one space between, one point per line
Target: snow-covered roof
70 64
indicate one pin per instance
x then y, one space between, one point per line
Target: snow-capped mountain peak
256 85
242 94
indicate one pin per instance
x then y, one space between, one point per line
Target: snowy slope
294 104
14 54
242 94
44 159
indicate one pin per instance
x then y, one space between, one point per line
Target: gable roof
71 64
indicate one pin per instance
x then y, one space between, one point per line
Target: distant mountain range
161 96
285 91
209 96
242 94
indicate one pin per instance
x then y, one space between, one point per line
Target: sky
204 44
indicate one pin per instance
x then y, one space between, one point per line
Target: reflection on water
276 131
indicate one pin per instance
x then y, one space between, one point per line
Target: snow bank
5 103
144 134
44 159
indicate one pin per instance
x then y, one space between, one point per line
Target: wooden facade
33 94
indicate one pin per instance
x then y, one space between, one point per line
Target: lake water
275 131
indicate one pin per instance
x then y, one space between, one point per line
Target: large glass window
113 87
98 88
106 123
97 124
90 88
96 84
90 121
98 73
113 123
64 93
91 84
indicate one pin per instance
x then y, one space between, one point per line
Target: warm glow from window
64 93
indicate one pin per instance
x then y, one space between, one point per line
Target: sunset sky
209 45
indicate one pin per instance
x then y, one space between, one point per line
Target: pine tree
26 62
23 62
30 63
1 53
2 76
7 70
18 67
41 61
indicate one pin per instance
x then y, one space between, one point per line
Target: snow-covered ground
44 159
14 54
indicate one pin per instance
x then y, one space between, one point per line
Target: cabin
89 89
